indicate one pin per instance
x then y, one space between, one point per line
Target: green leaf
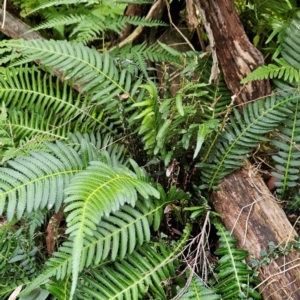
202 131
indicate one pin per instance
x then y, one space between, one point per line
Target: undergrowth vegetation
105 174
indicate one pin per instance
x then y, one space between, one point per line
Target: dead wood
236 54
249 209
17 29
246 204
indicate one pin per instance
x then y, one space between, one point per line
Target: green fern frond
243 134
58 289
111 152
291 46
167 121
233 273
91 26
93 73
34 220
58 21
281 71
52 3
197 290
139 274
287 161
34 182
135 57
98 248
93 193
141 21
42 101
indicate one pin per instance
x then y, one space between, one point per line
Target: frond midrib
55 99
74 171
245 130
75 58
167 259
64 264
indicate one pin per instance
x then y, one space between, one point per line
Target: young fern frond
243 134
233 273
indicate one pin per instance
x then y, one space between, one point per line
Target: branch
17 29
154 10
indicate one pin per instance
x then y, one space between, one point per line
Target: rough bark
251 212
246 204
16 29
237 56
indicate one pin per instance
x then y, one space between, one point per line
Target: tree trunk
245 203
237 56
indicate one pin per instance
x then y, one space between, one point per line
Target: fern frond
281 71
291 46
58 21
37 181
168 121
233 273
243 134
98 248
92 26
47 100
93 193
94 73
197 290
138 275
111 152
52 3
287 160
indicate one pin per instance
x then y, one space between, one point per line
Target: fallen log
247 206
251 212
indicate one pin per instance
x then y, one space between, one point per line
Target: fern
281 71
165 122
91 144
43 101
197 290
290 46
233 273
140 274
89 20
287 158
111 231
52 3
243 134
42 176
93 72
19 259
